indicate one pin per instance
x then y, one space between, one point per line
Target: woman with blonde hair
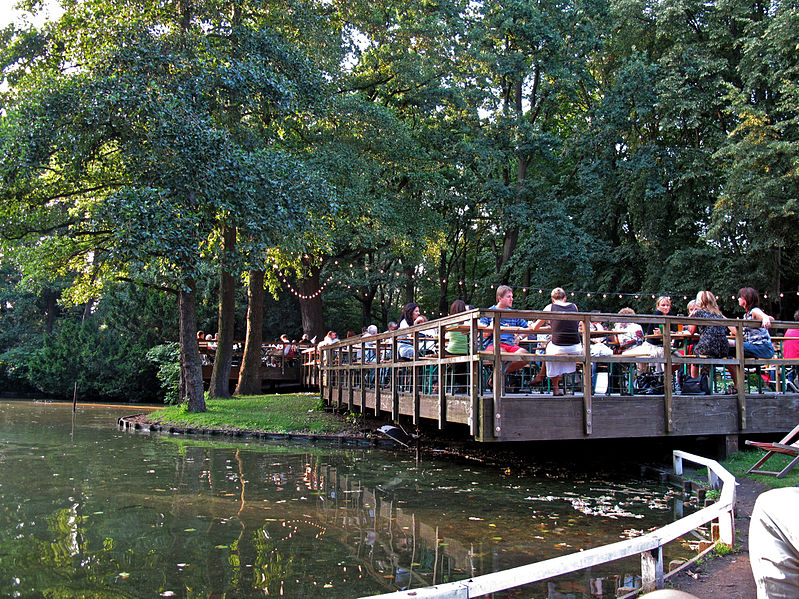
712 339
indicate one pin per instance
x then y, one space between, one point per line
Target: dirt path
728 576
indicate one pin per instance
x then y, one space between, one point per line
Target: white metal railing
649 546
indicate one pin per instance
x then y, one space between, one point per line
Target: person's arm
762 317
541 323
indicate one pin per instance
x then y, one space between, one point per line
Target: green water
87 510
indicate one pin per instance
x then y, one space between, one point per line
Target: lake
89 510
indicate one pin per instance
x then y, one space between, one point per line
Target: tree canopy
391 152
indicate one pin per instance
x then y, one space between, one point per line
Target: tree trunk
190 367
250 371
443 285
220 376
311 309
410 283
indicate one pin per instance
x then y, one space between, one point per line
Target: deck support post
652 570
668 395
442 379
588 379
741 382
474 377
498 377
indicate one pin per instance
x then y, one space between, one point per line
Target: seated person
653 347
457 343
757 341
409 317
790 350
712 339
507 340
565 339
629 335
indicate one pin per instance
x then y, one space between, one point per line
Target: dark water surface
87 510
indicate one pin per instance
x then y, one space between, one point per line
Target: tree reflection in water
105 513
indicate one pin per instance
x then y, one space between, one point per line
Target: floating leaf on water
220 547
493 525
168 594
474 518
497 538
124 574
189 530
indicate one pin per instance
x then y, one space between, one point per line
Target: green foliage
104 363
167 358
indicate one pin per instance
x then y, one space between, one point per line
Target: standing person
757 341
565 339
330 338
507 340
712 339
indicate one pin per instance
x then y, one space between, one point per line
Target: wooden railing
649 547
356 367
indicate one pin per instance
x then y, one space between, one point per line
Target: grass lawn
285 413
740 462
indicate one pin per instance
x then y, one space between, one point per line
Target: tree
123 168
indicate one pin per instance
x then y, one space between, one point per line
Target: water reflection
89 511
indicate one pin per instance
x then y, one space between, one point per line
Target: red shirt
790 347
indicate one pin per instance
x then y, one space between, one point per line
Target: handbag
648 384
695 385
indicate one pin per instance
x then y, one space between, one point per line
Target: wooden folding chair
788 445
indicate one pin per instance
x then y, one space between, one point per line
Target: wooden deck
277 370
359 375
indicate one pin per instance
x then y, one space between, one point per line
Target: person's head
626 310
664 304
285 338
796 315
748 298
201 335
504 297
393 326
705 300
371 330
410 312
209 337
332 335
457 306
558 294
692 306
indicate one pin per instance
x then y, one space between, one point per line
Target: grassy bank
286 413
737 465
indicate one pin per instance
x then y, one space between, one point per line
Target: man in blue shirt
507 340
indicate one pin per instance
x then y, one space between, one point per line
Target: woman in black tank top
565 339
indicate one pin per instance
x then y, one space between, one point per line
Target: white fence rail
649 546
